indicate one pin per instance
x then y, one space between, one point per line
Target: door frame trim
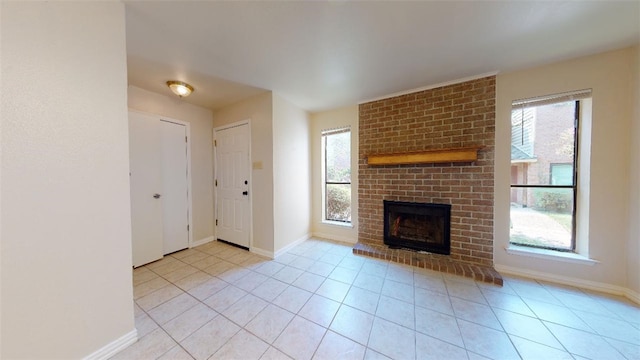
249 171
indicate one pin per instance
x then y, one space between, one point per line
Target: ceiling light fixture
180 88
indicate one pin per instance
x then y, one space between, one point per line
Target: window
561 174
544 176
336 150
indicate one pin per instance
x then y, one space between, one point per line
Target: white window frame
582 155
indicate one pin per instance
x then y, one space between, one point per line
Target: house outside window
336 173
544 176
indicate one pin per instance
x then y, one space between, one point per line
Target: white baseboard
114 347
333 237
202 241
565 280
262 252
632 295
292 245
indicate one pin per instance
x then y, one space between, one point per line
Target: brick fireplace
454 116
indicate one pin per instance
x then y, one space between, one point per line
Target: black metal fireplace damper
418 226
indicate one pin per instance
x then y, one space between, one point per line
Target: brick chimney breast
453 116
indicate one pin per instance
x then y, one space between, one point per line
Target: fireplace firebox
418 226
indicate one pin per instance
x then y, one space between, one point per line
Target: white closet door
175 189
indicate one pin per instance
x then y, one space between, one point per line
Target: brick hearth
430 261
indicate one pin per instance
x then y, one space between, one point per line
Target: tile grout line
319 252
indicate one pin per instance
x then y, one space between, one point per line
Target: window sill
338 223
550 255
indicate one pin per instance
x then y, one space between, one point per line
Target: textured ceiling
323 55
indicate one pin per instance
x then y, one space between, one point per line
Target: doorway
232 183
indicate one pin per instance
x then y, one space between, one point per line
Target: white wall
609 75
259 110
633 254
201 121
346 116
291 174
66 231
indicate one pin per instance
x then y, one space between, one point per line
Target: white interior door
175 188
146 185
232 189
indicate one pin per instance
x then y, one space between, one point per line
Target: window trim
549 254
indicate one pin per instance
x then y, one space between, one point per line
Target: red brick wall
452 116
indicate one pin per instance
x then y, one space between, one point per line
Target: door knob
156 196
245 193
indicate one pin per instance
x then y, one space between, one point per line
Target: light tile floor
320 301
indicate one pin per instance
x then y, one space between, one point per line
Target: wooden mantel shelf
457 155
